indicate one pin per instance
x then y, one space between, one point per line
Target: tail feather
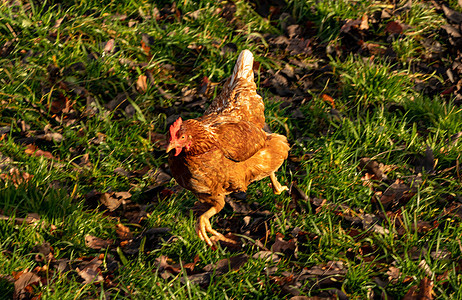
243 68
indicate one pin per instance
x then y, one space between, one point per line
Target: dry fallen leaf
32 149
90 272
44 252
113 200
226 265
350 24
282 246
16 176
141 83
97 243
424 291
398 192
394 27
393 274
23 286
109 46
452 15
364 22
123 232
328 99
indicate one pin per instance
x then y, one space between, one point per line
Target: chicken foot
203 226
277 187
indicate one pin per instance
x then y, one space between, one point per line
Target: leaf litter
295 45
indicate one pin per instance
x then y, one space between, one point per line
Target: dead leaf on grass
394 274
32 149
328 99
98 139
226 265
423 292
44 252
398 192
394 27
452 15
113 200
97 243
372 167
349 25
282 246
331 268
16 177
23 285
141 83
123 232
109 46
266 256
90 271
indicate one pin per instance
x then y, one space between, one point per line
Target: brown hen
226 149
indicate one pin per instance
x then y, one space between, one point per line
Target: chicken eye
182 137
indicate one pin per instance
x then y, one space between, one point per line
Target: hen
226 149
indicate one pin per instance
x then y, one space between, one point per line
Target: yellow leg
277 187
203 226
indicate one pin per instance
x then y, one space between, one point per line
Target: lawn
368 93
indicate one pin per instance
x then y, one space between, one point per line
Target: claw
203 226
277 187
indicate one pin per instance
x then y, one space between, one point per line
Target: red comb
174 128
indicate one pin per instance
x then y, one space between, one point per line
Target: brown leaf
394 27
84 161
190 266
113 200
364 22
424 292
398 192
374 49
146 49
97 243
60 104
51 136
32 149
452 15
59 21
130 174
23 286
164 268
393 274
350 24
109 46
372 167
266 256
98 139
451 30
123 232
328 99
330 269
226 265
141 83
282 246
44 252
16 177
90 271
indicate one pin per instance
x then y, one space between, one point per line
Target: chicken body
226 149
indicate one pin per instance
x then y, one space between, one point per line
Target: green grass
59 75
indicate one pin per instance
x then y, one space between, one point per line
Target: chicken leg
203 226
277 187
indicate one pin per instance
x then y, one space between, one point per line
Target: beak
170 147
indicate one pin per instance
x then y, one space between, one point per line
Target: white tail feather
243 67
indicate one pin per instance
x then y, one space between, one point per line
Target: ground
367 92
